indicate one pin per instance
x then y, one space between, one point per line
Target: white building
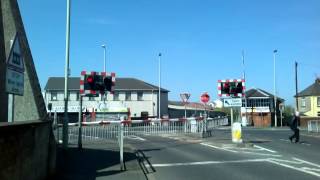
131 93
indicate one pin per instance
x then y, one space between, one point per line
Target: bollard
236 132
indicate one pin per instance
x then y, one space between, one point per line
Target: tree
287 114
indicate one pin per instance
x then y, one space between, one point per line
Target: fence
117 130
314 126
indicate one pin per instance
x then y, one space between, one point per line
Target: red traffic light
90 79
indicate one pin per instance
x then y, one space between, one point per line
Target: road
267 154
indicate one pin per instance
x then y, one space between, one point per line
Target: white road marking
136 138
284 140
261 154
207 162
215 147
262 148
295 168
311 169
306 162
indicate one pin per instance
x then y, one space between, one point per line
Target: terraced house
309 100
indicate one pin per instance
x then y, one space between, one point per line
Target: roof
57 83
259 93
189 105
312 90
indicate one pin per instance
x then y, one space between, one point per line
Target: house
177 109
139 96
258 108
309 102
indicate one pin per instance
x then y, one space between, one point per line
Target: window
91 98
318 101
77 94
54 96
140 96
116 96
128 96
303 102
318 113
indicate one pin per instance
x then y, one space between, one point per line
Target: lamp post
159 94
274 87
66 76
104 57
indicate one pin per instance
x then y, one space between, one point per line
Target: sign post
14 75
185 97
205 99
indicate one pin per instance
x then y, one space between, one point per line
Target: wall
27 150
136 107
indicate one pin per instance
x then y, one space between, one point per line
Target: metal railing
117 130
314 126
110 129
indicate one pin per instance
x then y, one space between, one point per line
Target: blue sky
200 41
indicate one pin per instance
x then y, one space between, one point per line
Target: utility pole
159 105
274 87
296 81
66 76
245 98
104 57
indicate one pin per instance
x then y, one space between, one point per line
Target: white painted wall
149 102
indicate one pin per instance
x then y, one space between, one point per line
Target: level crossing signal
92 83
231 88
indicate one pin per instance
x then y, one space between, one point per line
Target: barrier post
121 146
80 124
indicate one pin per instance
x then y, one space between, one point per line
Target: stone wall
27 150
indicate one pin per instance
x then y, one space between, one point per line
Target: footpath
97 160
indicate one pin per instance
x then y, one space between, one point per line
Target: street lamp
104 57
274 87
66 76
159 105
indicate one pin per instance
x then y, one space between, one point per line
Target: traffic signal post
92 84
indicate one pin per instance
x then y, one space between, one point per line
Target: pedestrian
294 127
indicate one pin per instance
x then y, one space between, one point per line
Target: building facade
309 100
138 96
258 109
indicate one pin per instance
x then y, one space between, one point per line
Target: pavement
97 160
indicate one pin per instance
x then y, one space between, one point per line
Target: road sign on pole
185 97
232 102
15 69
205 97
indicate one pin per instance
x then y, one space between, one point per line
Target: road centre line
262 148
207 162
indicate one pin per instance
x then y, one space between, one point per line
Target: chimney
318 80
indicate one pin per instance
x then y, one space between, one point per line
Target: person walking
294 128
